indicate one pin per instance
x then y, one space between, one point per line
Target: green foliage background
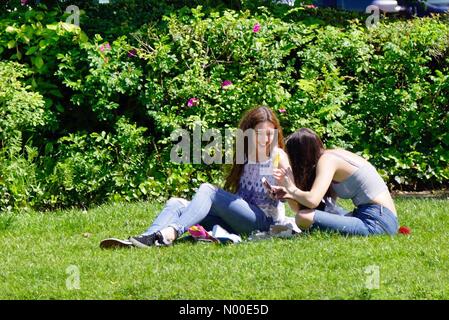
86 114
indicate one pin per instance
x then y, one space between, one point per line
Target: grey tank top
364 185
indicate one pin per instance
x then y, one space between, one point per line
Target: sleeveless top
364 185
252 191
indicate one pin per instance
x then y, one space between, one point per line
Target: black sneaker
145 241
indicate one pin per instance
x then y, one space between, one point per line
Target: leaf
83 37
56 93
38 62
11 44
11 29
31 50
69 27
52 26
43 44
59 107
307 85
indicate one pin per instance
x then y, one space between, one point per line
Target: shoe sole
113 243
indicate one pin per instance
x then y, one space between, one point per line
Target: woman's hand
283 179
280 193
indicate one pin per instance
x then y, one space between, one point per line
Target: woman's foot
169 234
113 243
145 241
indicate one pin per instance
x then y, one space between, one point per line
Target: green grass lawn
38 249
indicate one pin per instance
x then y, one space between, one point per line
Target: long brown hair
304 148
249 121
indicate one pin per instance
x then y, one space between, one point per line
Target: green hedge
94 113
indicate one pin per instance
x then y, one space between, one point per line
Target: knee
207 188
304 218
177 202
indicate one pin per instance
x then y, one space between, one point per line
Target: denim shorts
366 219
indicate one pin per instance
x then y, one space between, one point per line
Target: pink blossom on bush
193 102
256 27
226 84
105 46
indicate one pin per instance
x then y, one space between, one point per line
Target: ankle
169 234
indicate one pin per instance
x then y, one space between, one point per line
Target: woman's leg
208 204
172 210
209 201
342 224
378 219
238 216
210 221
367 220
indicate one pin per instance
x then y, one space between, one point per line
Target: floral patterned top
253 192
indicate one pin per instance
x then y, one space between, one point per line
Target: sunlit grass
41 252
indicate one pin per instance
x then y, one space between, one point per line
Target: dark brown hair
249 121
304 148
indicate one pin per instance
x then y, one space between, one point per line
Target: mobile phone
267 185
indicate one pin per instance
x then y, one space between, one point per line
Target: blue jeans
211 206
367 219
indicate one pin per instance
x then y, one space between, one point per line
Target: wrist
289 185
291 189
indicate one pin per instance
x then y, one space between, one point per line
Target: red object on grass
405 230
197 231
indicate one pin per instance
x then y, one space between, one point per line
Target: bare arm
325 171
284 164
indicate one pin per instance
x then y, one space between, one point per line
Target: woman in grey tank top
318 173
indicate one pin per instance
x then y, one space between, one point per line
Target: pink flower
226 84
132 53
105 46
256 27
311 6
282 110
193 102
23 2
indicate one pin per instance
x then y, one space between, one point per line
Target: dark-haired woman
244 208
317 173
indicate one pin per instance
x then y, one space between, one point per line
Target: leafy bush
92 122
22 113
402 107
102 75
396 96
375 94
95 167
35 38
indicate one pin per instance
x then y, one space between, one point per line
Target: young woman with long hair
243 207
318 172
